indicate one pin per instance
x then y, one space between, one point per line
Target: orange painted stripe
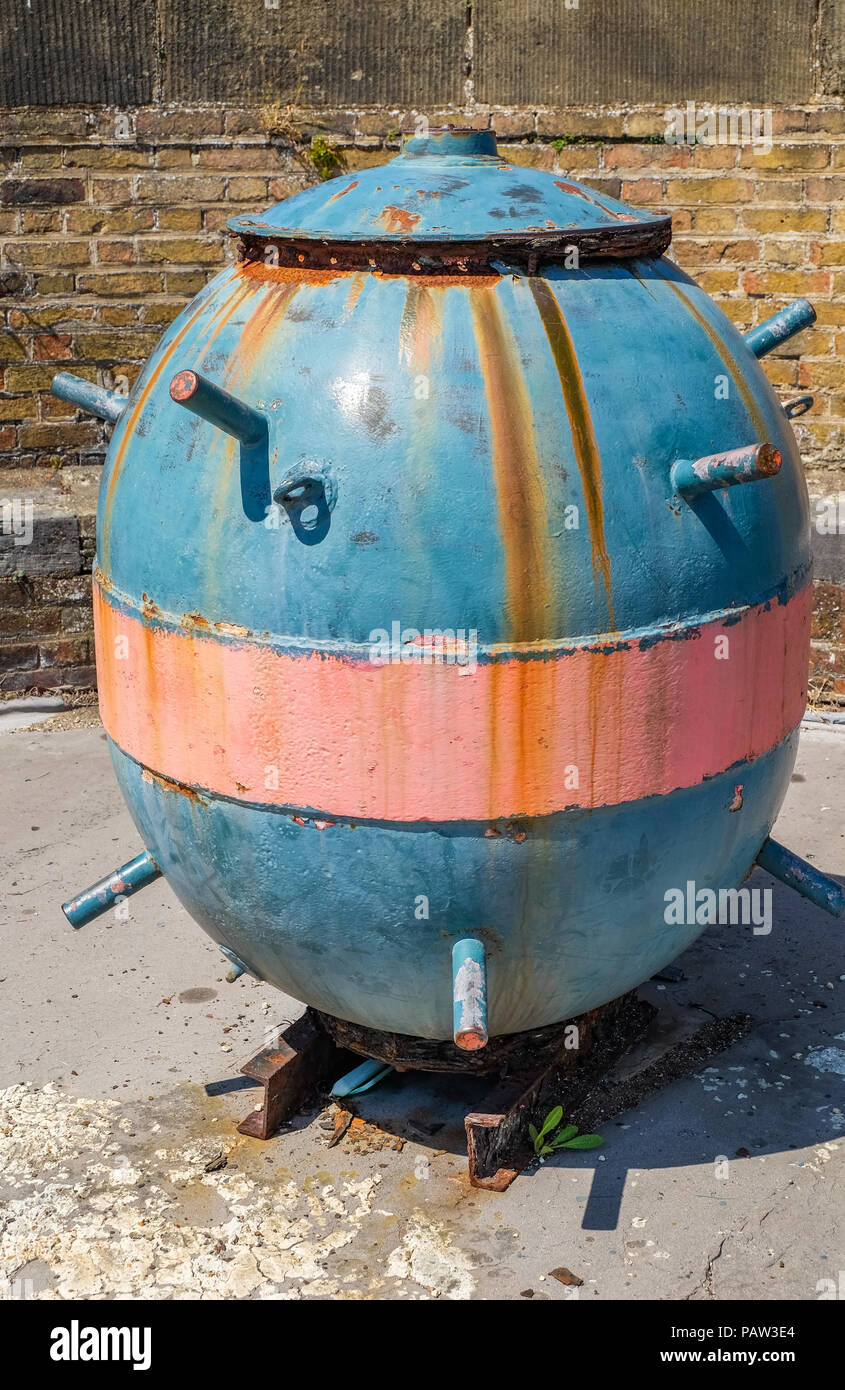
514 737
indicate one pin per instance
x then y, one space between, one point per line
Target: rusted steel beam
291 1072
690 477
498 1146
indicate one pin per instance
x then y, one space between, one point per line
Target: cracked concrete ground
121 1176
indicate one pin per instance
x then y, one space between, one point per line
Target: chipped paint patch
115 1207
428 1257
827 1059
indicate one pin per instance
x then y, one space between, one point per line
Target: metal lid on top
452 185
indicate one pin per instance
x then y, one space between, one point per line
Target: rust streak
580 423
729 361
273 304
223 315
289 274
343 192
167 785
582 193
518 476
420 325
444 281
132 421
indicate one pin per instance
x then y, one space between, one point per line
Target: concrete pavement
120 1175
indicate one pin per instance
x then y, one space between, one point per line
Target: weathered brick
264 157
49 407
119 315
640 124
285 186
183 250
43 124
44 254
713 219
40 223
23 191
18 657
180 219
801 158
798 282
246 187
718 281
826 375
184 282
114 252
59 282
106 157
120 283
53 549
829 121
52 317
29 621
117 221
75 619
154 124
37 377
75 589
103 347
829 190
105 191
57 434
645 192
52 678
70 651
782 371
789 219
180 188
715 156
160 312
651 156
11 348
52 347
18 408
715 190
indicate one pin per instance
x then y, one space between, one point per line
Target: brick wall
110 221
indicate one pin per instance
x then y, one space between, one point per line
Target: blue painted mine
409 401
